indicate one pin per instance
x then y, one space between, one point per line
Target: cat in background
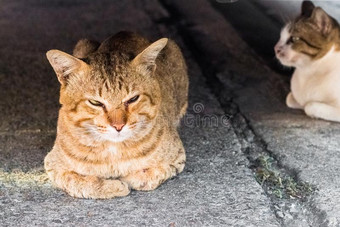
122 101
311 44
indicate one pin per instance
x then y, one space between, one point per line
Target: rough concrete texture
306 149
217 187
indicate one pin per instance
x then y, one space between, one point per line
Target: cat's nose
277 49
118 126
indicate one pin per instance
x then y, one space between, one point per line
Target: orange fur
121 106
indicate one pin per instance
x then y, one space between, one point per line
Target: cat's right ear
307 8
64 65
323 22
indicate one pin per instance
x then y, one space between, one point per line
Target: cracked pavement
218 186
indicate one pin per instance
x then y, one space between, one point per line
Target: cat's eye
294 39
133 99
95 103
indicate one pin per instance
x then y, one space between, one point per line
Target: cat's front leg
78 185
292 103
150 177
93 187
322 111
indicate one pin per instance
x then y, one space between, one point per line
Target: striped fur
117 127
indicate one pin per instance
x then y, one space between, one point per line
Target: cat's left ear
65 65
323 22
146 61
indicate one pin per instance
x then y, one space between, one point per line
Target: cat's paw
313 110
105 189
91 187
113 188
323 111
292 103
145 180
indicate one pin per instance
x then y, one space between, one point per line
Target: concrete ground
258 164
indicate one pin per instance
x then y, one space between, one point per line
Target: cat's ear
323 22
85 47
307 8
146 61
64 64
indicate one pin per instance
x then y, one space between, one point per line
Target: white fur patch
285 35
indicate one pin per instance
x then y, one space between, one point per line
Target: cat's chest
313 87
107 162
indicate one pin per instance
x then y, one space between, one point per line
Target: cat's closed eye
96 103
126 103
132 100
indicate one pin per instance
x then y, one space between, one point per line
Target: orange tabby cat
117 127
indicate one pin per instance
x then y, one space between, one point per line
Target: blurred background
259 22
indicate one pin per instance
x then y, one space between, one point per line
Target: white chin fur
292 58
125 134
92 135
285 62
114 136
